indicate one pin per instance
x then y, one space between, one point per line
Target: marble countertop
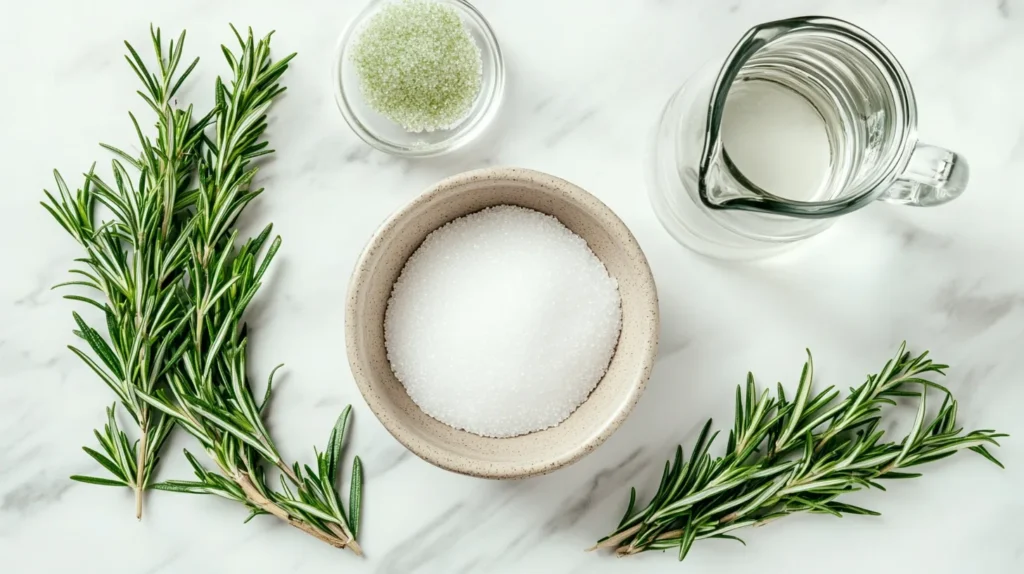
586 80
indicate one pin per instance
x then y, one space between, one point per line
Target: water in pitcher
777 140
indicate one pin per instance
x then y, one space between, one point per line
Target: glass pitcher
863 100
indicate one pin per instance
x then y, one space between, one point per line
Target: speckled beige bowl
535 453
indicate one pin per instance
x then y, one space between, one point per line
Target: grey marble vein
36 492
609 481
973 306
570 125
1003 6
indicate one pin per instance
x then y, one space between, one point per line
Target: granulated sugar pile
502 322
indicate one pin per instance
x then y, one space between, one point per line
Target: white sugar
502 322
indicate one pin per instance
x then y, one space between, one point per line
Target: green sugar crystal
418 65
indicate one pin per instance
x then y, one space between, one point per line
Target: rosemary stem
289 473
343 533
617 539
256 498
140 472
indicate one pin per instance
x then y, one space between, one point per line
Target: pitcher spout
722 186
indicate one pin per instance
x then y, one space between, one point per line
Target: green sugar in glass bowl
418 78
418 65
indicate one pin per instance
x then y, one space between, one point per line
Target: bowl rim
467 465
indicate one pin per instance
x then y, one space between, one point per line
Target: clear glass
389 137
867 107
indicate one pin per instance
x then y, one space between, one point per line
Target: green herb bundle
136 262
170 262
801 455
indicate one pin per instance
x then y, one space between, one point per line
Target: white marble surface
586 80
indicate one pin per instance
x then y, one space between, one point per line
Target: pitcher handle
933 176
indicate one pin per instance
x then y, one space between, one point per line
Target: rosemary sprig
136 261
209 394
176 289
786 456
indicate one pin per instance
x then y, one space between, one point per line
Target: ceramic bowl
538 452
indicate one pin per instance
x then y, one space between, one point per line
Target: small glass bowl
389 137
